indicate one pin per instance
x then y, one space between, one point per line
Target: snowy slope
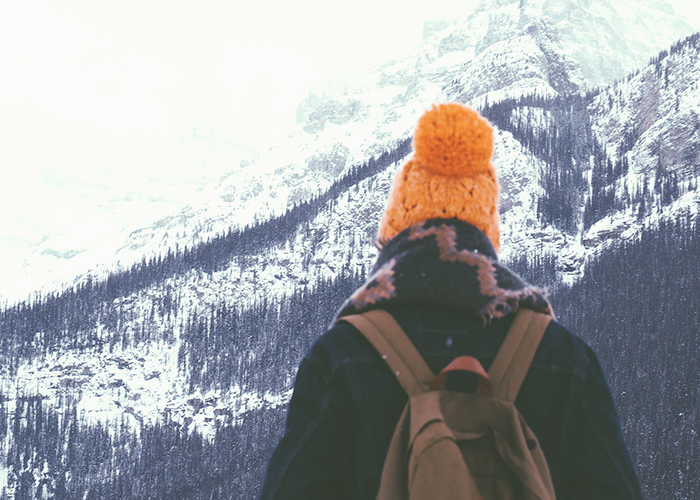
653 120
500 48
608 38
496 50
146 381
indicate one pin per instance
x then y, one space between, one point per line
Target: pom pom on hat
453 140
449 176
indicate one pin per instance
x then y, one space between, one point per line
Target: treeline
79 319
691 41
538 268
558 132
610 190
607 194
70 318
260 347
56 455
609 187
638 306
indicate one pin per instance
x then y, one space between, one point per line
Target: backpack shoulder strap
517 352
387 337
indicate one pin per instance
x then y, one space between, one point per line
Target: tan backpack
454 445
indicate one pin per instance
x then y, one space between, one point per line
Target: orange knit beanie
449 176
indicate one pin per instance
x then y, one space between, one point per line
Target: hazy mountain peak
609 38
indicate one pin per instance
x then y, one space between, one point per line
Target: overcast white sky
94 73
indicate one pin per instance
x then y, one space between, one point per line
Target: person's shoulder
341 344
564 352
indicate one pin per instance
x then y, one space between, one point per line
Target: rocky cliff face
650 122
639 120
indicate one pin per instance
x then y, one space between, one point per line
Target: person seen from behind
439 278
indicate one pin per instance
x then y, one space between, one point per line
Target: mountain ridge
380 108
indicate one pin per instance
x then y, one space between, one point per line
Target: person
438 275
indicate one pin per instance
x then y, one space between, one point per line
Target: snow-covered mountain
608 38
492 49
499 49
208 328
651 122
76 210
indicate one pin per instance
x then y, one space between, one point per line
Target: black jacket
347 402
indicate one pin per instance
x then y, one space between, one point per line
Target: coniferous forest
637 305
649 354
